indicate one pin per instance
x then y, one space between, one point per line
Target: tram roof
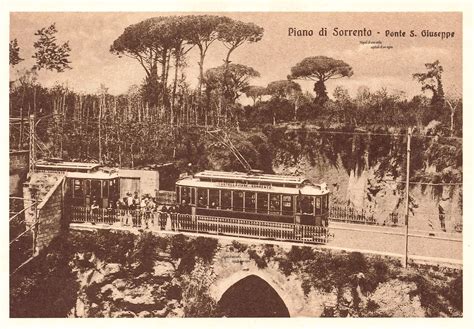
93 175
66 165
306 190
267 178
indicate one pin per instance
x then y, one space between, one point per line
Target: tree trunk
452 122
164 56
201 79
168 63
202 55
225 85
175 83
100 130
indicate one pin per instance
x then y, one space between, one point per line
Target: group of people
143 211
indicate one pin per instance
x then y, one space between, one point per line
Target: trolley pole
407 190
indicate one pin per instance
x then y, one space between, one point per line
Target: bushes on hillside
188 249
46 287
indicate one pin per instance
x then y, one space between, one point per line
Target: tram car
89 182
255 196
83 188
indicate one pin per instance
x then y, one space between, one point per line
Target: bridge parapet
47 222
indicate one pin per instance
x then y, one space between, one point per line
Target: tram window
105 189
274 203
238 201
202 197
111 184
324 203
213 198
116 188
193 196
250 202
262 202
307 206
88 187
95 189
78 191
185 195
318 205
287 205
178 195
225 199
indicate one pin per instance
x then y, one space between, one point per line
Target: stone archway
291 295
230 267
252 297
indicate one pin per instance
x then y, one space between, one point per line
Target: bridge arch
275 280
252 297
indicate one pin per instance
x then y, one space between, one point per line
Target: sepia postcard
216 162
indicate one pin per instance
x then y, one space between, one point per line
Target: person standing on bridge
142 210
129 211
151 211
94 210
174 216
120 211
163 216
136 200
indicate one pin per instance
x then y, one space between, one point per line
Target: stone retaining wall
50 213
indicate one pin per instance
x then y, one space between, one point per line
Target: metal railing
22 233
344 214
202 224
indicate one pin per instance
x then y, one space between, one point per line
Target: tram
255 196
89 182
84 188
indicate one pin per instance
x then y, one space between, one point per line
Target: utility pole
20 141
35 224
32 144
100 127
407 196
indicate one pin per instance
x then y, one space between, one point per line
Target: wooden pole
407 196
100 128
32 159
20 141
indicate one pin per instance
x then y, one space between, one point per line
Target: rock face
394 299
109 290
366 192
163 269
116 290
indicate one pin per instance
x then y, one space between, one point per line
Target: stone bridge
241 285
234 269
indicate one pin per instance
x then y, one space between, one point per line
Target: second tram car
255 196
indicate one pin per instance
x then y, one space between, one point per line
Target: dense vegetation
164 118
48 287
352 276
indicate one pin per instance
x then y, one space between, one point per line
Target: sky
91 34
